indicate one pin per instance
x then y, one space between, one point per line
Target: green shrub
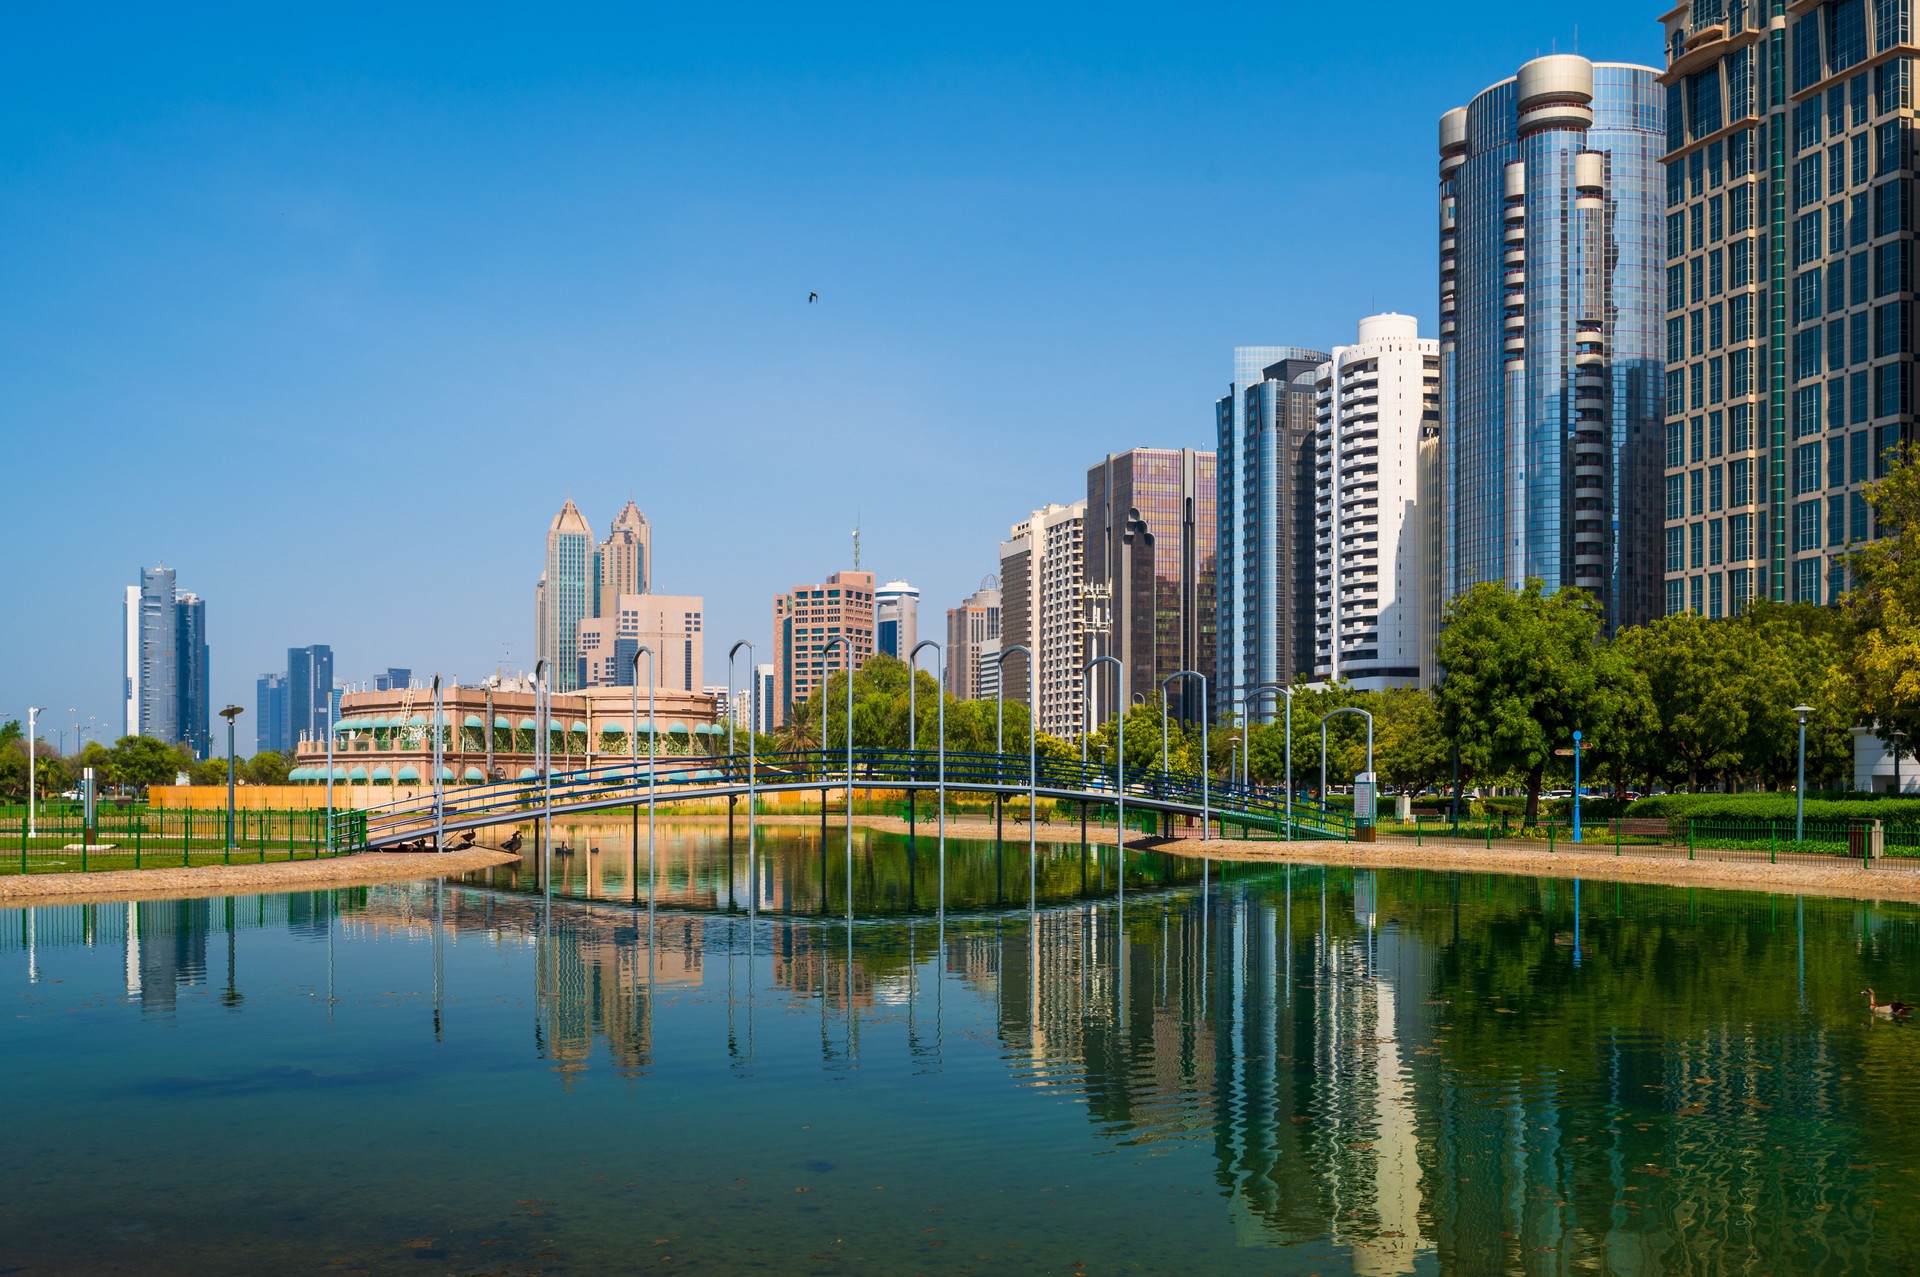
1779 806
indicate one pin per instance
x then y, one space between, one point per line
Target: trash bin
1859 843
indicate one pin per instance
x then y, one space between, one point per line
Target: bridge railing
624 782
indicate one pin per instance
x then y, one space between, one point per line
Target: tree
1522 670
10 731
268 767
141 761
1883 608
1693 670
1412 748
212 771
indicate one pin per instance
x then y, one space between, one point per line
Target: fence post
1416 830
1773 842
186 844
1549 837
1689 838
1616 835
23 836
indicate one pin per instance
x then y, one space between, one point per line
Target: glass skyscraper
562 599
1265 430
1789 291
1551 273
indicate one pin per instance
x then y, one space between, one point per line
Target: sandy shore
227 880
1888 882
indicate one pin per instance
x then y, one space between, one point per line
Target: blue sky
330 308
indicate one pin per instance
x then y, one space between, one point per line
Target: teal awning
528 725
446 773
678 726
418 720
473 776
474 720
578 726
382 723
613 729
298 773
500 721
382 774
339 773
408 775
359 774
526 773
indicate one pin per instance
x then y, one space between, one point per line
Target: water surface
1244 1069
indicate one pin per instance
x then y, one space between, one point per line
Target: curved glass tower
1551 267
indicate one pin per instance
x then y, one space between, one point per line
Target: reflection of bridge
639 783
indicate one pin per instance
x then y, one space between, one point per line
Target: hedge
1777 806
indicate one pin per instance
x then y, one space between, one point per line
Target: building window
1676 497
1740 587
1697 492
1716 542
1806 581
1806 469
1676 549
1739 428
1676 602
1676 445
1740 537
1740 481
1696 545
1714 610
1806 526
1716 488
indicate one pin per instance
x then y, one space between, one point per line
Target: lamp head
230 713
1801 712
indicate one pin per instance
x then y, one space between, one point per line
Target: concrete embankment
229 880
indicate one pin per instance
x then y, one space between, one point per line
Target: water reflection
1423 1072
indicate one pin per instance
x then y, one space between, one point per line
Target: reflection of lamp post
1120 755
753 725
1800 786
1206 815
437 761
33 713
1576 787
230 713
542 759
913 723
828 646
653 734
1033 740
329 714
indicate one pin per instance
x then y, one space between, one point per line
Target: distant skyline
331 313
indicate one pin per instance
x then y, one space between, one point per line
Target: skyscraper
1042 570
973 641
562 597
270 714
1550 311
671 626
1789 292
396 679
1376 401
191 656
155 653
805 619
165 668
309 687
1265 429
1151 549
896 619
624 562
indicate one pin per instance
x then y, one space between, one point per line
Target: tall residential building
152 644
624 562
1042 572
896 619
165 668
192 677
808 617
1376 400
563 596
1265 431
671 626
1550 314
309 691
1789 293
270 714
1151 549
973 641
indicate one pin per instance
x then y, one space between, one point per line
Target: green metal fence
154 838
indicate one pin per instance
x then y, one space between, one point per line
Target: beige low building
383 742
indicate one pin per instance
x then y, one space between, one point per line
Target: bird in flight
812 298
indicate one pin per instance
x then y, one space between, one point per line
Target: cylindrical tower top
1453 131
1387 326
1555 92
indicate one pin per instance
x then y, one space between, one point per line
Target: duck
512 845
1888 1009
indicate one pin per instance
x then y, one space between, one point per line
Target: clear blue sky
330 307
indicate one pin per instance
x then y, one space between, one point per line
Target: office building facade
1265 431
1042 608
270 729
808 617
192 677
563 596
1789 292
896 619
973 643
1375 401
1551 318
396 679
623 564
670 626
309 691
1151 552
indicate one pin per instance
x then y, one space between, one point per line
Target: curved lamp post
436 759
1248 699
329 712
542 760
1206 816
653 735
913 726
1345 709
232 712
1800 787
1033 741
1120 754
753 722
841 642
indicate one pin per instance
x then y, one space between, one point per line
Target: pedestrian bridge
639 783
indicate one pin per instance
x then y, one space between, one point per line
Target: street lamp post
542 759
653 734
1206 814
1800 786
1033 739
230 713
1576 784
438 758
753 718
1345 709
1120 755
841 642
329 712
1252 697
913 668
33 777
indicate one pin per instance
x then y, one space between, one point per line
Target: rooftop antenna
856 543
